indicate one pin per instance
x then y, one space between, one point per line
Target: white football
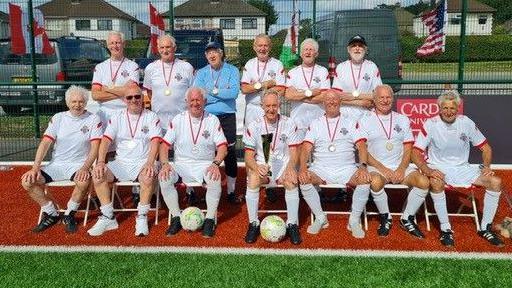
273 228
192 218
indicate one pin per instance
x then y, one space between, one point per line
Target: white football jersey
132 134
168 91
302 78
386 135
72 136
194 138
255 71
449 144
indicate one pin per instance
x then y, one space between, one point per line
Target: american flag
435 21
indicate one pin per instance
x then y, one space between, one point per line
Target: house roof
455 6
83 8
219 8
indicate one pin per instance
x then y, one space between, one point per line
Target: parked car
377 26
74 60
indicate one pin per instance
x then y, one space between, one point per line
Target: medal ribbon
388 135
260 77
194 138
329 128
114 77
310 77
215 83
273 144
356 84
167 79
133 132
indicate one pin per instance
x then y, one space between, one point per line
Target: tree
419 7
503 9
268 8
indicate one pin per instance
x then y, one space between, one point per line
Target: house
478 20
88 18
237 19
404 19
4 25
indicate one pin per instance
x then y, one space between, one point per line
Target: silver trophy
266 139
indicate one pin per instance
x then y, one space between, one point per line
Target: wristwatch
217 162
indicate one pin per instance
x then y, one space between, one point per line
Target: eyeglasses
130 97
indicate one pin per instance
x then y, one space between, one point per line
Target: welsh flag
157 25
289 52
20 32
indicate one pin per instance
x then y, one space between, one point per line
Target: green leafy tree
503 7
267 8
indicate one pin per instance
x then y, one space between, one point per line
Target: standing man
136 133
199 148
281 166
356 78
221 81
447 138
166 80
260 73
389 143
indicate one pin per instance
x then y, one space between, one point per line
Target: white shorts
252 113
331 175
192 171
125 171
408 170
458 175
61 171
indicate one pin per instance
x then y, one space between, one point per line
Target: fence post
37 132
313 26
462 45
171 17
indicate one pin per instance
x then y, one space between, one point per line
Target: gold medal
356 93
332 148
167 92
389 146
308 93
215 91
257 85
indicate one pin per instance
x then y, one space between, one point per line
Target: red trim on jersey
170 124
306 141
223 143
248 132
245 83
482 144
99 125
378 73
248 149
294 145
49 137
156 137
337 89
324 89
108 137
165 142
419 149
94 139
362 139
408 142
157 122
95 83
357 125
423 131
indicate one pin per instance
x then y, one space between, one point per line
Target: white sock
491 200
292 205
230 183
72 206
170 196
359 200
439 200
380 198
50 209
143 209
107 210
213 190
312 199
415 198
252 197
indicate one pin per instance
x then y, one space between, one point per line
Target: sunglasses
130 97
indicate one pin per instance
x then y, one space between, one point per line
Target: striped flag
157 25
435 21
20 33
289 52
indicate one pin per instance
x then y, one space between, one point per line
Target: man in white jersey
389 143
305 85
136 133
260 73
199 148
110 78
331 139
356 78
166 80
75 135
280 169
446 138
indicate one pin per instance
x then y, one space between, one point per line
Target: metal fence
476 60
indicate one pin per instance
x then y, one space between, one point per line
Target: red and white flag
20 33
157 25
435 20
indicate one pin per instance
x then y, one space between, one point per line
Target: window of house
105 24
249 23
83 24
227 23
455 20
482 19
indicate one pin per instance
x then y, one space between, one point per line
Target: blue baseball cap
212 45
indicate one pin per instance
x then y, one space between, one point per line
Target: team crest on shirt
343 131
283 138
206 134
125 74
366 77
317 79
84 129
178 77
463 137
397 128
145 129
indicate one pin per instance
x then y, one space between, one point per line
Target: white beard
357 57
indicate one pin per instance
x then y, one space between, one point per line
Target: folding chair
272 211
67 183
330 212
470 197
115 195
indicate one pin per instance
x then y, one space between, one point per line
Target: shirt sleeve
135 73
311 133
170 135
148 74
97 75
326 82
97 128
293 136
231 85
246 77
423 138
249 138
218 134
53 127
358 134
477 138
408 136
376 78
112 127
336 83
155 130
280 77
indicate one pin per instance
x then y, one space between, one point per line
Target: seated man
332 139
136 134
282 161
199 148
389 155
447 138
74 134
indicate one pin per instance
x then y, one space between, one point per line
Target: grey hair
268 93
76 90
263 36
166 36
116 33
311 41
195 88
385 86
449 95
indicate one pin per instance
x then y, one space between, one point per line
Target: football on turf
273 228
192 219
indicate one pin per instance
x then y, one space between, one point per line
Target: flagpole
462 44
313 28
171 17
35 104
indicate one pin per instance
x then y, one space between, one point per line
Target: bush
478 48
136 48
